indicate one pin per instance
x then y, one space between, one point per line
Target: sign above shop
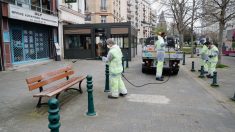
70 1
25 14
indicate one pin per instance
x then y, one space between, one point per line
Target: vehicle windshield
150 40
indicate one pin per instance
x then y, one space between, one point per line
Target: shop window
121 41
133 42
78 42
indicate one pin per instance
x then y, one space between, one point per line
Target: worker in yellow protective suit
114 59
160 48
213 54
204 56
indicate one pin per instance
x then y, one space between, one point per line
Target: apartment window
23 3
103 19
36 5
41 5
103 5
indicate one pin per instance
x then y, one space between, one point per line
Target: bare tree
183 13
220 11
195 15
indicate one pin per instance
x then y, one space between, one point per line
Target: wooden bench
39 81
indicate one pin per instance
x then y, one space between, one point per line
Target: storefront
28 35
88 40
29 42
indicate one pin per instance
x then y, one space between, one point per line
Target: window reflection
121 41
78 42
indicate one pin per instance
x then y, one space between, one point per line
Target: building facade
69 13
105 11
139 13
29 31
144 24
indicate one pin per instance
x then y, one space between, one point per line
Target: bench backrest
48 77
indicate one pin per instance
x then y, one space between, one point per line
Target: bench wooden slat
60 87
63 88
45 82
48 74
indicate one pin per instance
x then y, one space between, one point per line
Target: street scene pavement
225 75
184 103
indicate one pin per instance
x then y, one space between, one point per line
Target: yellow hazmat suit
160 48
114 59
204 57
213 59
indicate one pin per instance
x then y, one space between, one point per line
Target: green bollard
91 109
214 81
123 64
54 116
201 72
183 58
106 78
127 64
192 70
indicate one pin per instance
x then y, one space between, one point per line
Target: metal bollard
127 64
183 58
91 109
106 78
123 64
214 81
54 116
233 98
192 70
201 72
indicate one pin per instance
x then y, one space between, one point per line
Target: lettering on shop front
32 16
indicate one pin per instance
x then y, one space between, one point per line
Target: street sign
70 1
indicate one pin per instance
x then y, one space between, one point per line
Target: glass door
17 45
41 44
100 42
29 47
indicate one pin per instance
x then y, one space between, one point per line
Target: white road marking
143 98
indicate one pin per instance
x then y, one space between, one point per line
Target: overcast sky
159 8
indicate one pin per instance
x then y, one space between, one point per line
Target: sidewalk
225 75
179 105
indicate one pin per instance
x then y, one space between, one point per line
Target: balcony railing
31 7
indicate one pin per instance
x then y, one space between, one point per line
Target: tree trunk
192 46
181 40
221 28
